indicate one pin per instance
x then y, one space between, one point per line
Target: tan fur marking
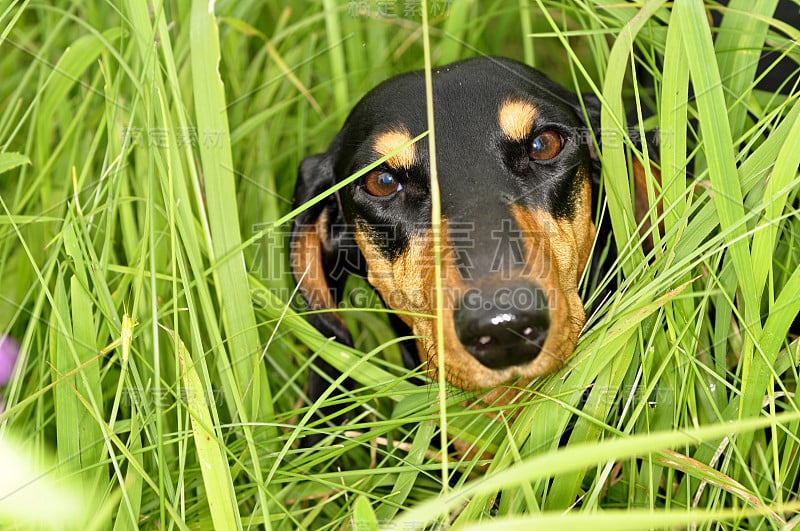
584 226
516 118
551 266
306 258
642 204
393 140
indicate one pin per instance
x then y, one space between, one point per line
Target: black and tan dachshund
515 162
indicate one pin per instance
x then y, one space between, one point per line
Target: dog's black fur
515 157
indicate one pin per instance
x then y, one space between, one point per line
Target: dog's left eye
381 183
546 146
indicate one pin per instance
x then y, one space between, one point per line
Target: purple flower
9 350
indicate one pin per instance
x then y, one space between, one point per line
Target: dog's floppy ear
316 254
321 256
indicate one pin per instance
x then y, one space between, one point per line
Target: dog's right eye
381 183
546 146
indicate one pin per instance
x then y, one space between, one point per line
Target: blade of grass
727 197
129 512
455 28
576 457
89 433
674 123
436 230
75 60
337 61
363 515
231 276
718 146
612 119
566 488
406 480
80 439
675 195
209 443
220 189
751 173
739 43
527 30
9 161
626 520
776 194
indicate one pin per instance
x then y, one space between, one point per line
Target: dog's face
513 165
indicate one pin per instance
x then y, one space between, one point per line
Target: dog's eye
381 184
546 145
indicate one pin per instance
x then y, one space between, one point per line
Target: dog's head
514 159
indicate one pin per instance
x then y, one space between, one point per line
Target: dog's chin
466 373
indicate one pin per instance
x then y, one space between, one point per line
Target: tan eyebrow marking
393 140
516 118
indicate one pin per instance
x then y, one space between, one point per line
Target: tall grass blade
218 177
210 449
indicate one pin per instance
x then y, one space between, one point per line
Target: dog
516 167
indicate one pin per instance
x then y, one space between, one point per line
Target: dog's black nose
504 324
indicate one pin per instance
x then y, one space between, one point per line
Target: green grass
146 152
